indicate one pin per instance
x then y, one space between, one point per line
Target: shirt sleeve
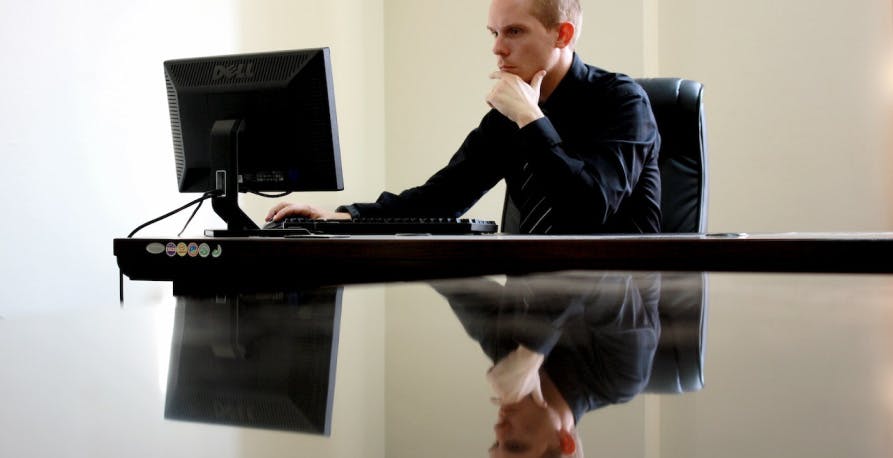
450 192
601 163
501 318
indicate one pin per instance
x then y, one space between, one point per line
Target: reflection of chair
678 108
679 112
678 364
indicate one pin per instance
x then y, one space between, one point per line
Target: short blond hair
553 12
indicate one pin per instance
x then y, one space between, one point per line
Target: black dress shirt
597 331
595 153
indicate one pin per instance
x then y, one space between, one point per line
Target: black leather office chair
678 364
678 108
679 112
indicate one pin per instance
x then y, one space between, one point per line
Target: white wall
85 137
87 156
85 132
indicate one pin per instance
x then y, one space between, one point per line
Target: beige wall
795 129
437 62
794 109
353 29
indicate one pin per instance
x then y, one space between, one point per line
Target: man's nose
501 429
499 47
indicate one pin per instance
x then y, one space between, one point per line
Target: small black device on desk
378 226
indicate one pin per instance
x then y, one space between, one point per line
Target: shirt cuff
352 209
540 133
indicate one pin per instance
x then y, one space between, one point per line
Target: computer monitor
260 122
259 360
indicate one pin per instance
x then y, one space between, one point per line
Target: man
562 345
576 145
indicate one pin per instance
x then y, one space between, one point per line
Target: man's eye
514 31
513 447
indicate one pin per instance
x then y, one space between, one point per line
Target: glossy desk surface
288 261
721 365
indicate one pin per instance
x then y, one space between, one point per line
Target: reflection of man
563 345
576 145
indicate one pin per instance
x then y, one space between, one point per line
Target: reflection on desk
256 360
796 366
605 337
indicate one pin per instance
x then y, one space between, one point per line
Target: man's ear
566 33
568 444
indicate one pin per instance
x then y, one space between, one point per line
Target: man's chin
526 78
515 71
523 403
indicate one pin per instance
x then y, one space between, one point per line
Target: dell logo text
233 71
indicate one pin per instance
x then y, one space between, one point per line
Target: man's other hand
516 376
516 99
285 209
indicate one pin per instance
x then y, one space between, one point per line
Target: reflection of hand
516 376
283 209
516 99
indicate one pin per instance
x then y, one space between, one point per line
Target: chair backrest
679 111
678 364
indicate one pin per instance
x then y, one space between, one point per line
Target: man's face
523 45
525 429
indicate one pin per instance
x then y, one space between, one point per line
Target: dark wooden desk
792 365
361 259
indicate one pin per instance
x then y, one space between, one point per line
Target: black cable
198 201
204 197
273 196
190 217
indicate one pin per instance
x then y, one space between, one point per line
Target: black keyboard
370 226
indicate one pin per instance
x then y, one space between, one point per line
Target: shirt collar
577 72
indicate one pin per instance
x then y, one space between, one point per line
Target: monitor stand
225 164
